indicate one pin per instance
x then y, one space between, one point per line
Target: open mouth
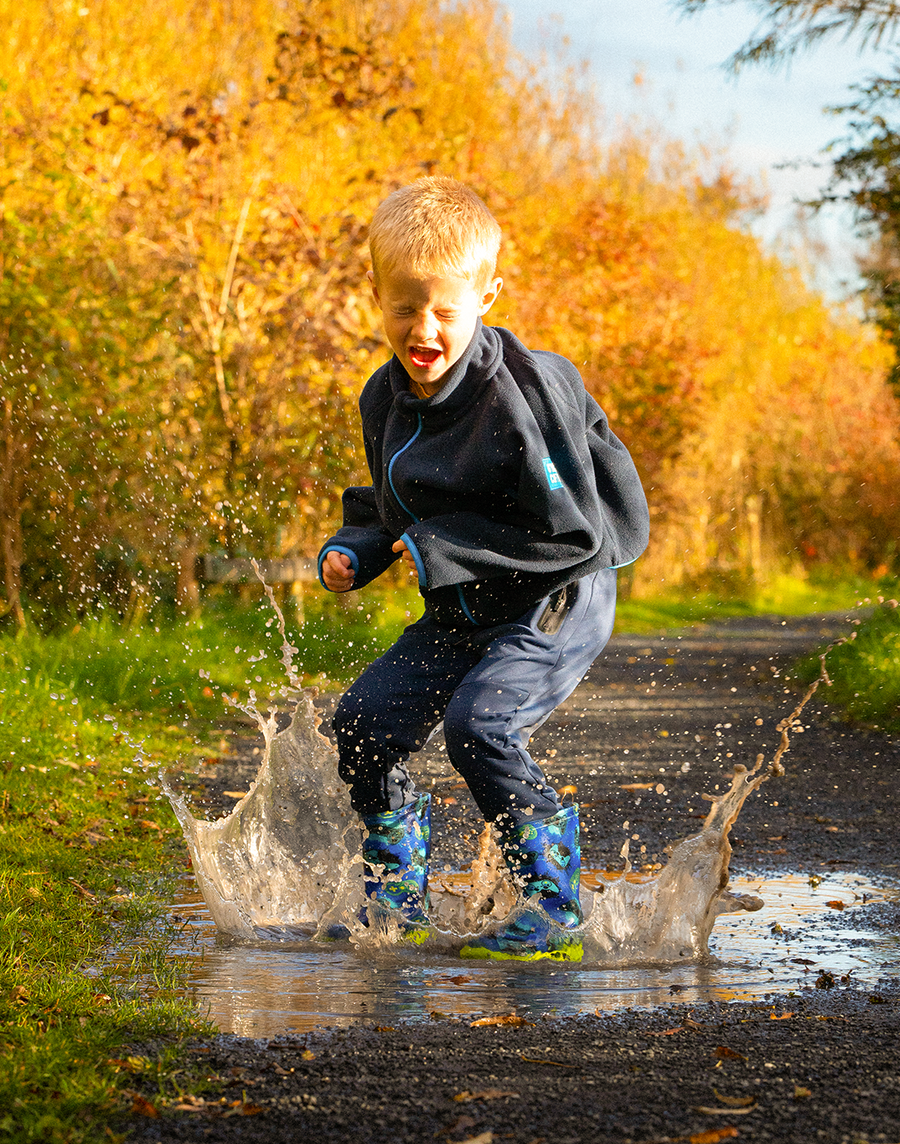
422 357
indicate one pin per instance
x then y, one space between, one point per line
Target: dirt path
676 713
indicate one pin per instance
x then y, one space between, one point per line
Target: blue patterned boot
545 858
395 856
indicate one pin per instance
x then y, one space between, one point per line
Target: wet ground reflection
268 988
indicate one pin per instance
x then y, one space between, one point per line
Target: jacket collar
463 382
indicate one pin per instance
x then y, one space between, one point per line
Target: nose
424 327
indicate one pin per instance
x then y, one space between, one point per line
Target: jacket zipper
412 515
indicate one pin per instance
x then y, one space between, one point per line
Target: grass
83 839
782 596
865 671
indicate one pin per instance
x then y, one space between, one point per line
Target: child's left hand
407 556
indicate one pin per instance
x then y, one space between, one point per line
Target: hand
337 572
406 555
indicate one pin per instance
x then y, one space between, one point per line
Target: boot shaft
396 846
545 858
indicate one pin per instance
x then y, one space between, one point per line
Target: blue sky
764 117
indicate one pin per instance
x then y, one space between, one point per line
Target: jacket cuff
354 561
417 559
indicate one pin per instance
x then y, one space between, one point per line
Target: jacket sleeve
363 538
579 498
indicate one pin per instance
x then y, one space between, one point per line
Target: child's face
430 321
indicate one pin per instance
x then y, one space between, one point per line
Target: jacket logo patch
553 478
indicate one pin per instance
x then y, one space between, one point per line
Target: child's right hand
337 572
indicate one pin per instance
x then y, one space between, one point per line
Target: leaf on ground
636 786
19 994
505 1019
142 1107
308 1055
734 1101
714 1135
836 905
189 1103
711 1110
543 1061
773 1016
242 1108
466 1097
82 891
726 1054
667 1032
801 1093
129 1064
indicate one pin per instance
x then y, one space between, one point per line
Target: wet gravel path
658 721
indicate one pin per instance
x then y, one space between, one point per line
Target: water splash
285 864
285 859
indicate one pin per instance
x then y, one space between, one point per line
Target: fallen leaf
466 1097
130 1064
308 1055
148 825
836 905
189 1103
735 1101
142 1106
733 1110
384 1028
726 1054
825 980
714 1135
801 1093
541 1061
19 994
773 1016
636 786
506 1019
667 1032
82 891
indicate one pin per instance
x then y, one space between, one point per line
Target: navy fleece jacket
505 485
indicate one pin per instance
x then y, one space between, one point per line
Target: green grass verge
782 596
88 857
865 671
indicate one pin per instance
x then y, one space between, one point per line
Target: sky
764 117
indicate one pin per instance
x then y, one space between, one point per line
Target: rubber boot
396 846
545 859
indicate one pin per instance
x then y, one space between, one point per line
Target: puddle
264 988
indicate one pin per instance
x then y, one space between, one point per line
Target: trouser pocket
551 619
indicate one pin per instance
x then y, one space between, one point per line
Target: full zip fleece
505 485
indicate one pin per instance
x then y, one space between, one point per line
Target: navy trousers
491 687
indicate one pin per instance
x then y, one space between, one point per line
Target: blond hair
436 226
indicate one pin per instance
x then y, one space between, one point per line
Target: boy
496 479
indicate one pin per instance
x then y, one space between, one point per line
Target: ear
489 297
370 275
